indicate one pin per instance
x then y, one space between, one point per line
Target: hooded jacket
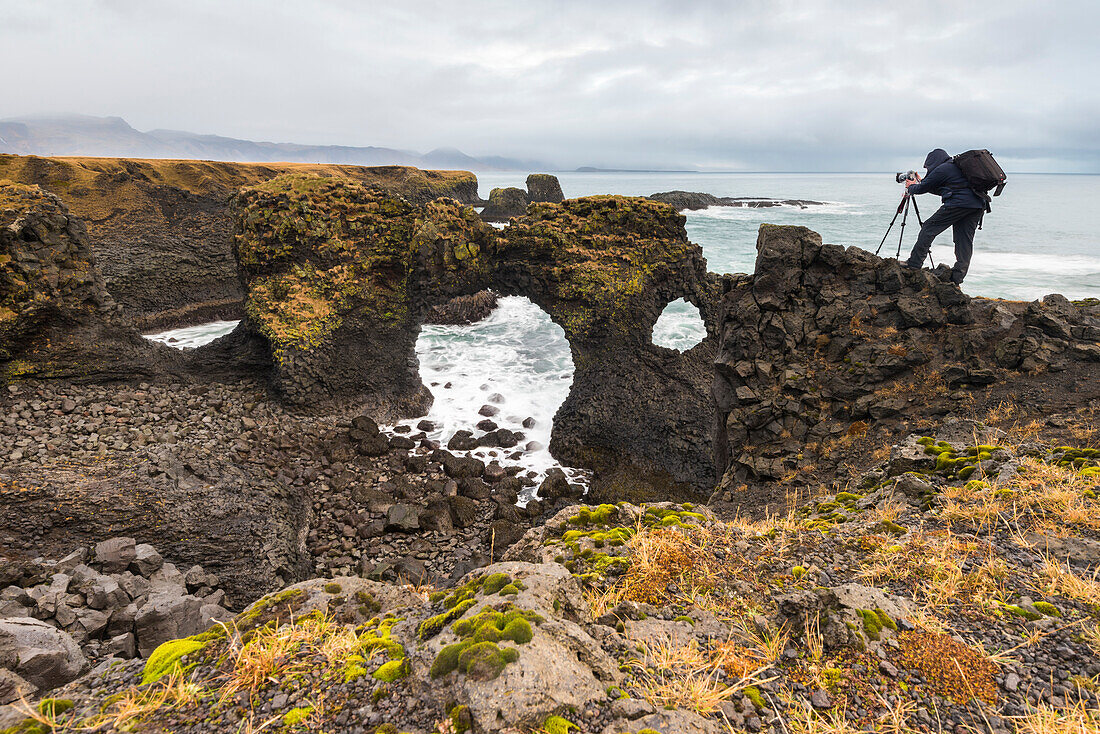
944 179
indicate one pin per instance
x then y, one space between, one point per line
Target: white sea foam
745 213
679 326
516 355
193 336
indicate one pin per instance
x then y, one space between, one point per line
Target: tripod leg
921 223
901 236
889 228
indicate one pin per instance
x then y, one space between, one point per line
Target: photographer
961 210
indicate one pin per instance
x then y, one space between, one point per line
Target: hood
935 158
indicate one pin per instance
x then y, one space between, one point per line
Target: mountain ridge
87 135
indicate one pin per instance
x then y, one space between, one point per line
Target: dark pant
964 222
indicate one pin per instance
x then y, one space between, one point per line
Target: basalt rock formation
340 277
56 317
823 346
503 204
161 230
544 187
681 200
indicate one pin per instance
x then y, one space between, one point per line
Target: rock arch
339 277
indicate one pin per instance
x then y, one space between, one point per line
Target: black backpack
982 172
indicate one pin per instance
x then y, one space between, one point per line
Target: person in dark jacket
961 210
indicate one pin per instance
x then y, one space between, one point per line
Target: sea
1042 237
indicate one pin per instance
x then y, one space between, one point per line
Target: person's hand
909 182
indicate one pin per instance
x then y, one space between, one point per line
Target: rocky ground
952 586
279 496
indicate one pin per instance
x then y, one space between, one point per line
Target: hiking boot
909 266
943 272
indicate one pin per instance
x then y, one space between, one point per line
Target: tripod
903 209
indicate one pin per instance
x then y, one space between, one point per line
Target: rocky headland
866 501
162 231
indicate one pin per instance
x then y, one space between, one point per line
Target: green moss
495 582
461 720
367 603
684 618
965 472
434 625
354 668
753 694
333 588
447 659
392 670
557 725
1047 608
926 441
485 660
296 716
848 498
798 572
889 527
600 515
509 590
872 626
885 621
166 658
1021 612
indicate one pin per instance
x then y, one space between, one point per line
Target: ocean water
1042 237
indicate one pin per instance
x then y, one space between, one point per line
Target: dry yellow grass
683 676
893 720
1076 718
1056 577
136 704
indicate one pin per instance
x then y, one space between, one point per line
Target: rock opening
680 326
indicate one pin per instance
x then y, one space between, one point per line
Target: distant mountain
83 135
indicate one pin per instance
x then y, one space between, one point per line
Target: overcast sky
839 86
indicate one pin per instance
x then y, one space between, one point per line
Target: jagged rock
504 204
58 319
603 267
13 688
544 187
678 720
402 518
462 310
115 554
556 486
166 616
146 560
822 339
681 200
42 655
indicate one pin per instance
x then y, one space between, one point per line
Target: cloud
782 85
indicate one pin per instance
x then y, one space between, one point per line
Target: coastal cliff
904 482
161 229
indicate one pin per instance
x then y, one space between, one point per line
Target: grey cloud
777 85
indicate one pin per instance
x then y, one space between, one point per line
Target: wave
745 213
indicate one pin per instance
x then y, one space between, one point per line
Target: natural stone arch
338 278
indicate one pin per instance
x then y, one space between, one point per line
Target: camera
907 176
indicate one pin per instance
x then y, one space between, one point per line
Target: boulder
544 187
505 203
166 616
42 655
115 554
147 560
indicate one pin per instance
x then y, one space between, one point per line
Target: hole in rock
190 337
510 371
679 327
